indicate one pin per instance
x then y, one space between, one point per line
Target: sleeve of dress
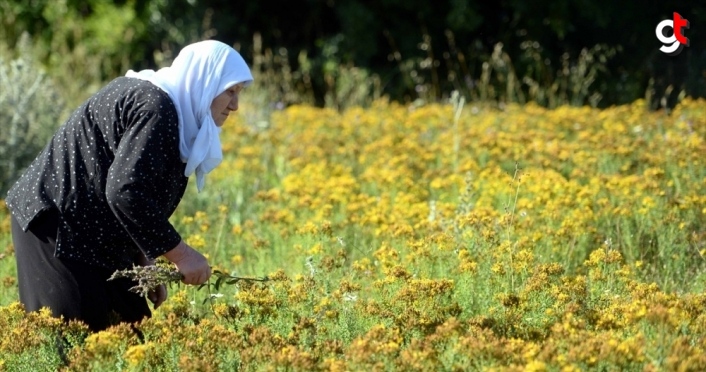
140 184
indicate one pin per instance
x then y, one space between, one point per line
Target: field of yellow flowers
436 238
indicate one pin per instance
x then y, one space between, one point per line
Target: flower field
433 238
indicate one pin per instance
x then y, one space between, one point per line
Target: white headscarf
199 73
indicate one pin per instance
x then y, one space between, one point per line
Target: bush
30 109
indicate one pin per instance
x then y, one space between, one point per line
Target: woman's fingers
190 263
158 295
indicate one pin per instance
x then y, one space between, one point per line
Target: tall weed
31 108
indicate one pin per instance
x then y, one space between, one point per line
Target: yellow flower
136 354
316 249
103 343
535 366
236 259
196 241
237 229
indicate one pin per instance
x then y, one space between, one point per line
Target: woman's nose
233 104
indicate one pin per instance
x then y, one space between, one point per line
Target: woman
99 196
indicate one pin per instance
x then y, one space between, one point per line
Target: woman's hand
158 295
190 263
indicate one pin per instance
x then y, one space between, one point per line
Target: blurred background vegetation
342 53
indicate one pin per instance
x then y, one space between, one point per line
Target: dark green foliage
417 48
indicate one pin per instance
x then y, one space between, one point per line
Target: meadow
436 237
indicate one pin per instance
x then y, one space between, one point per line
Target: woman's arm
143 181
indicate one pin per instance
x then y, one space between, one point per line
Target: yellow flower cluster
409 238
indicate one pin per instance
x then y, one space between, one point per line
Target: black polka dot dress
113 173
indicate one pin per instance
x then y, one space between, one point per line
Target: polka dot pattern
114 173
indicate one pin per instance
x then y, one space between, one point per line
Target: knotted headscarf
199 73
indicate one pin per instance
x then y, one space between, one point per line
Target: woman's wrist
177 253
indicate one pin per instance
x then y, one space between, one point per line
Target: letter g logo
674 44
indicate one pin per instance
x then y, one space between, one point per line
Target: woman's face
224 103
